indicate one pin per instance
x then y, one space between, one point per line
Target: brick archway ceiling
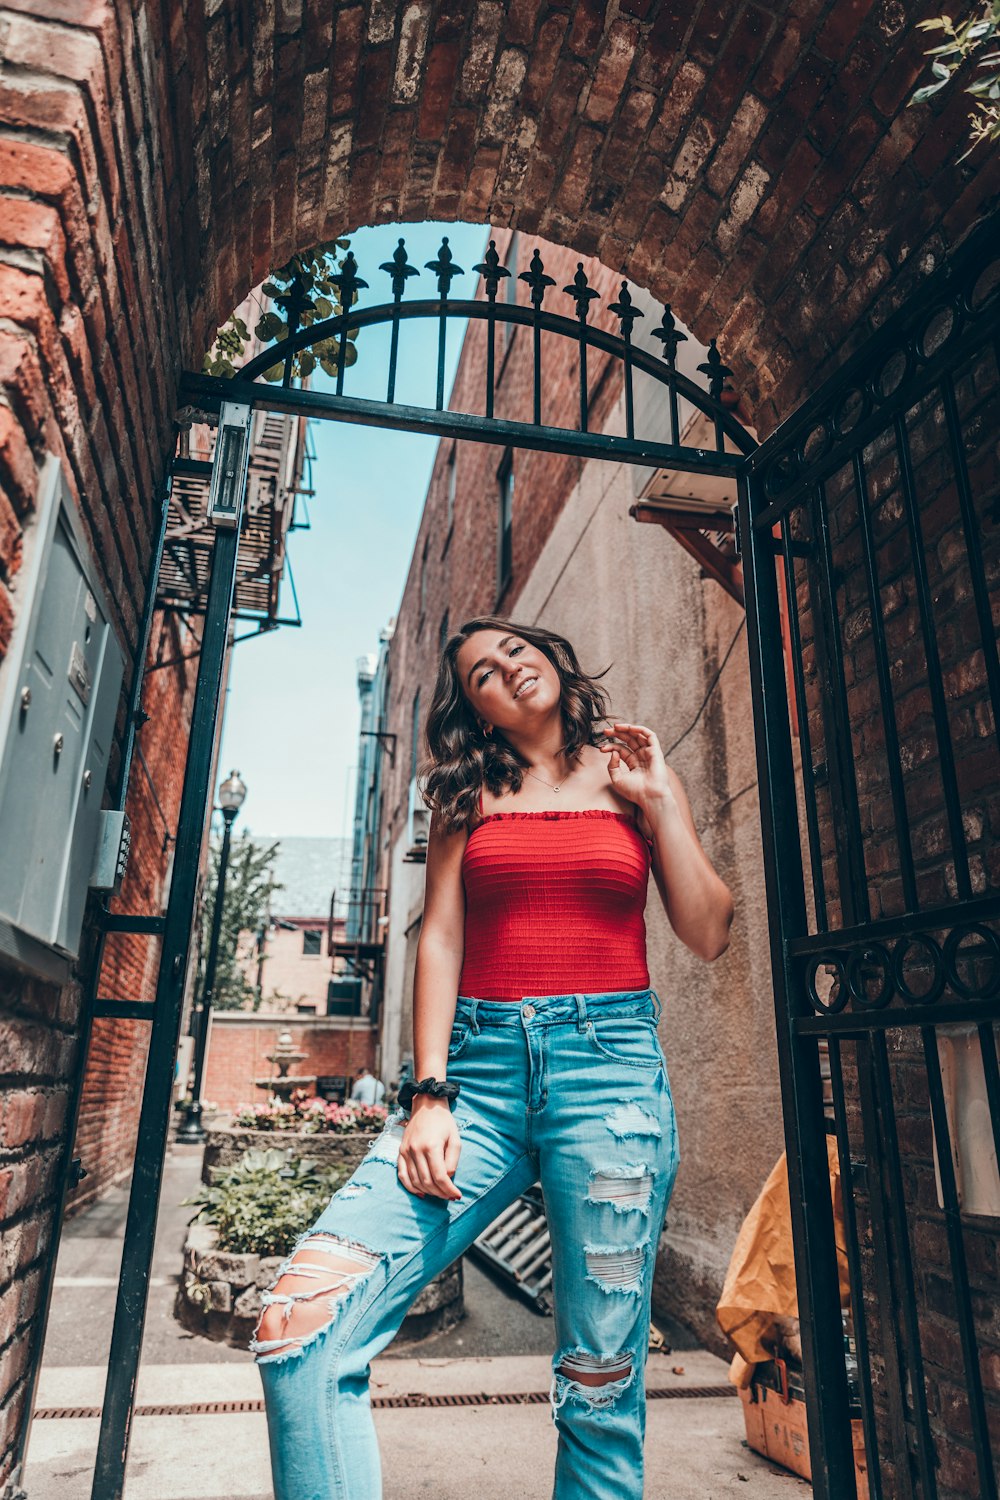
754 164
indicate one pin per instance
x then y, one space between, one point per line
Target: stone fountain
283 1084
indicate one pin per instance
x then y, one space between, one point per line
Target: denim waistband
549 1010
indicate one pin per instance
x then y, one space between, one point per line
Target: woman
537 1056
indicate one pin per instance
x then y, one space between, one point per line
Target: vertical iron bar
959 1268
939 708
973 546
491 329
342 351
827 1399
93 985
627 360
442 336
887 1274
894 763
537 373
859 1314
393 352
895 1199
805 741
583 376
154 1120
854 900
675 420
991 1072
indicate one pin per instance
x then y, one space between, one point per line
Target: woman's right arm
429 1152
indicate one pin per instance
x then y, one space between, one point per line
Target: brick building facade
334 1047
756 166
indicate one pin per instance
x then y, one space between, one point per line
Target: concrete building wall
628 596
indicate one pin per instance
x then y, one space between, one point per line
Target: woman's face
508 682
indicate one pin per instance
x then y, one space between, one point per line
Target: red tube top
554 905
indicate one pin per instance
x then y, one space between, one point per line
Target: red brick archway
755 165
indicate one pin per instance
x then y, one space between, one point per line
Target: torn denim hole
623 1187
385 1147
615 1269
620 1369
339 1286
354 1189
631 1119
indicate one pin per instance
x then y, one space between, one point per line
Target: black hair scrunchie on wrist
446 1089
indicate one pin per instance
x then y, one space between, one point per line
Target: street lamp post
191 1132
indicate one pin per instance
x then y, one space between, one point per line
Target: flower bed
251 1213
332 1134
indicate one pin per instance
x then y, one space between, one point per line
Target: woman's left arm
698 904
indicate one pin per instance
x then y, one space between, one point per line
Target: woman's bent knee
309 1293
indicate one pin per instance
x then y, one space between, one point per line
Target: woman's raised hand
636 764
429 1150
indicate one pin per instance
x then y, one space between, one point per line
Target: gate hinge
77 1172
736 529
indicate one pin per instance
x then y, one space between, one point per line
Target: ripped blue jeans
568 1090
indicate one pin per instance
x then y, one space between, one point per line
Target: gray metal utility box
59 687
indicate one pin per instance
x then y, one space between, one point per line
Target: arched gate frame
769 483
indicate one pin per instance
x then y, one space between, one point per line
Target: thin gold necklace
549 783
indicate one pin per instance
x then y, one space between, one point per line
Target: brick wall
758 170
898 1087
116 1059
238 1046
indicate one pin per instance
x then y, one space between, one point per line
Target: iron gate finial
669 335
537 280
581 292
399 269
445 269
491 271
625 310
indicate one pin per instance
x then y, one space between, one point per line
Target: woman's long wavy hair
463 758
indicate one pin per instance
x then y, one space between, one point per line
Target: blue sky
291 713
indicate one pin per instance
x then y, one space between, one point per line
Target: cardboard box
776 1428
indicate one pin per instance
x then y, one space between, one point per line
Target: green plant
964 40
250 883
302 292
262 1204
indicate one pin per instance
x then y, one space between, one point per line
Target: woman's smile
527 685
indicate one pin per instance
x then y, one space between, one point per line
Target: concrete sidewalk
493 1449
694 1444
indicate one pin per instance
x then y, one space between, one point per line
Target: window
505 514
415 736
417 814
452 485
423 578
509 283
312 942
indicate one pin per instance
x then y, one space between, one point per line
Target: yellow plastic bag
759 1297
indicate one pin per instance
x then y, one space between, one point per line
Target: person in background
367 1088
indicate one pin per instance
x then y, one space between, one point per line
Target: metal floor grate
415 1398
517 1246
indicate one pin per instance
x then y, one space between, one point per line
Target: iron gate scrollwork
874 513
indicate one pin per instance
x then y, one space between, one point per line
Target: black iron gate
873 517
852 512
213 561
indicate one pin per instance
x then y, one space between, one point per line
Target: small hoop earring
487 731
